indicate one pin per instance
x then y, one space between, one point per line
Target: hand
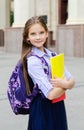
58 82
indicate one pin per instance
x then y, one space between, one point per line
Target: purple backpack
20 102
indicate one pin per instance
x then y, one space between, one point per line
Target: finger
55 77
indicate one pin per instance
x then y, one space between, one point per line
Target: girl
44 115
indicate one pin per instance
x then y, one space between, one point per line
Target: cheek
44 36
31 38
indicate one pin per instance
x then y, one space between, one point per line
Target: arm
66 83
59 87
55 93
63 83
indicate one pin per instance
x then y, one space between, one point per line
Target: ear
47 34
27 39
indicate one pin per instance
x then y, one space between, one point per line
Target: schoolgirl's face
37 35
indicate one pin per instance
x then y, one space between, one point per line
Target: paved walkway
74 102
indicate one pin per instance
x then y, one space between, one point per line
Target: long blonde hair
27 46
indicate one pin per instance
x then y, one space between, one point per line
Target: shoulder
50 52
32 60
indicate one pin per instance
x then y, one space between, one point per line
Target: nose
37 36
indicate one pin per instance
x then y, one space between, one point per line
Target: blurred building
64 19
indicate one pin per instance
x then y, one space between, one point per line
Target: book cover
57 69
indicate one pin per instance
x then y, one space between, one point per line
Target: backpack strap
43 61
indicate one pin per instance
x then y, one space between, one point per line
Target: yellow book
57 70
57 66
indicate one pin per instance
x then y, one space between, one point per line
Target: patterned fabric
20 102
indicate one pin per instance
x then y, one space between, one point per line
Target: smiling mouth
38 41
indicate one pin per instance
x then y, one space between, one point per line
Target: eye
42 32
32 33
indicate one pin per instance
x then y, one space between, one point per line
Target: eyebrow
32 32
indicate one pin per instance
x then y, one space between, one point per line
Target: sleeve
38 75
67 74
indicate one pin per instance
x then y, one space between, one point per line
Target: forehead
36 27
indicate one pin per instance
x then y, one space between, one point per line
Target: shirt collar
40 53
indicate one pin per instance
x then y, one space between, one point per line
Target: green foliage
11 17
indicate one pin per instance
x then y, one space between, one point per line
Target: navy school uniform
47 116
